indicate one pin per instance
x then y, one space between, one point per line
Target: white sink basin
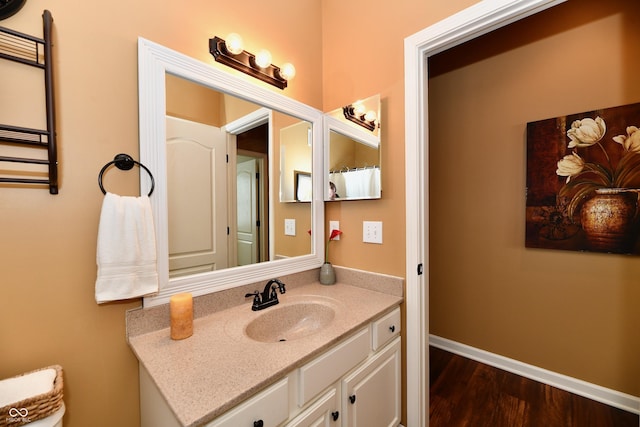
291 321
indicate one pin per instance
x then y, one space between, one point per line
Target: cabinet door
268 408
371 393
323 413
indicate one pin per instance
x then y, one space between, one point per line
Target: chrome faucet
268 297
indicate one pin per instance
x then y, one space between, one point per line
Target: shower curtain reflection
363 183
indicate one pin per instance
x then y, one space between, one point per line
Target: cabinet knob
258 423
352 398
392 328
335 415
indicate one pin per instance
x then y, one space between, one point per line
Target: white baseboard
595 392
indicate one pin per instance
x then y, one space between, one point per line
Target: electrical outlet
334 225
289 227
372 232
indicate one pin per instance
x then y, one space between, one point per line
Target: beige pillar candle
181 309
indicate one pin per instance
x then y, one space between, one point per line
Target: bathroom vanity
338 365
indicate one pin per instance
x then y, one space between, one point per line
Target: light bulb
234 43
371 116
288 71
358 110
263 58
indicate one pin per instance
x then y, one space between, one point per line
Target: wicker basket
38 407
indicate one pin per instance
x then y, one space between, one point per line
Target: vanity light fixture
231 53
355 113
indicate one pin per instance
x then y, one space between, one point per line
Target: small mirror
352 151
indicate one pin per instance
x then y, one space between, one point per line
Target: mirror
171 85
352 151
220 152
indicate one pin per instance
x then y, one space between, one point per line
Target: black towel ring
124 162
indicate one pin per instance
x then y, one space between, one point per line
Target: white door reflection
196 153
247 210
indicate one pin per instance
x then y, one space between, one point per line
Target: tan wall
569 312
363 55
291 137
348 153
48 313
190 101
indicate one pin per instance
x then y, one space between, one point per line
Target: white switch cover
289 227
334 225
372 232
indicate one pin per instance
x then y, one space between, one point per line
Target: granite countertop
217 368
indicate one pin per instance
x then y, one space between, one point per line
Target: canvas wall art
583 181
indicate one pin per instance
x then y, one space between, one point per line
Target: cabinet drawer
326 369
385 329
271 406
324 412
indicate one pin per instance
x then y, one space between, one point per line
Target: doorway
468 24
252 190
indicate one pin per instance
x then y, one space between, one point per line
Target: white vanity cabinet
368 369
355 383
367 396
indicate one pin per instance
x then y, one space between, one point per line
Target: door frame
243 124
479 19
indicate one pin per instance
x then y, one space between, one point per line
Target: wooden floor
468 393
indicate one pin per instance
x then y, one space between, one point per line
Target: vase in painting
609 221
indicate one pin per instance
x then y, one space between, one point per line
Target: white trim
592 391
252 120
470 23
245 123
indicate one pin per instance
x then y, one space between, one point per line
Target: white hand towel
126 253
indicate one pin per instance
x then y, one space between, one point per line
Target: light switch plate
372 232
334 225
289 227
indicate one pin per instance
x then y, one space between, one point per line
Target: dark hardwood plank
467 393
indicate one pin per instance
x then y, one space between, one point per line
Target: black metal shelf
34 52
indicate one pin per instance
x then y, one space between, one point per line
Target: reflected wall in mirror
352 151
219 223
295 159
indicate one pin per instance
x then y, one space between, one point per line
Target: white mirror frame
154 61
476 20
